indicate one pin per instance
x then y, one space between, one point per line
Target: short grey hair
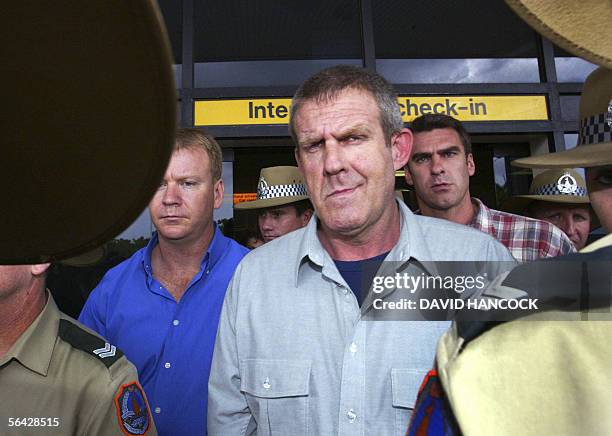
328 83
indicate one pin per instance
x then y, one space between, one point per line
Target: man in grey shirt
293 354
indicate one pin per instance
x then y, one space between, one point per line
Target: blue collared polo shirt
170 343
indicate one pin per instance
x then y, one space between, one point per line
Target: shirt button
351 415
167 365
157 410
353 348
175 322
266 384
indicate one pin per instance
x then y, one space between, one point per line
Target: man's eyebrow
357 129
184 177
447 149
309 138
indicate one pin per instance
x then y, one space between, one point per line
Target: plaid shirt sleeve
560 243
527 239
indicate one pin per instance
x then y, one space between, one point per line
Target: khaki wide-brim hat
580 27
595 132
277 186
563 186
87 126
556 186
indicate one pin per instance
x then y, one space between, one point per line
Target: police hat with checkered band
88 122
556 186
278 186
562 186
595 132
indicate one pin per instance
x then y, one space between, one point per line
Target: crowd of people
196 334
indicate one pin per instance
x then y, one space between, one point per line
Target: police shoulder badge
132 410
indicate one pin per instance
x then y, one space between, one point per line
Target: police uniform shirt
61 379
546 373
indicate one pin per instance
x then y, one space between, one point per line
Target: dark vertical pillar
187 69
548 74
367 35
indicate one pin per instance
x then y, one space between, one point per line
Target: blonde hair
197 138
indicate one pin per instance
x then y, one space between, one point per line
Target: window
440 42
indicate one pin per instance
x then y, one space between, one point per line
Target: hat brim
90 258
581 28
519 203
583 156
89 123
269 202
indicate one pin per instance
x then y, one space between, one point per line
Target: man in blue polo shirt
162 305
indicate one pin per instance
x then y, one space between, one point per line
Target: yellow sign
464 108
477 108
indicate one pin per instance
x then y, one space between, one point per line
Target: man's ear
401 147
218 191
306 217
470 164
39 269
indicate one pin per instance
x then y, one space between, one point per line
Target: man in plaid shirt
440 168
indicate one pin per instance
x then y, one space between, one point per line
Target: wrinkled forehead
345 108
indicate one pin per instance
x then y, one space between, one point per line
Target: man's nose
569 226
171 194
265 222
333 158
436 164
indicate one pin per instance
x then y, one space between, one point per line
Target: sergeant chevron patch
108 351
77 336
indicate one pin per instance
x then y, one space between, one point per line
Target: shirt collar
411 244
34 347
214 252
216 249
482 218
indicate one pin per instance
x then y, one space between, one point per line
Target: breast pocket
405 385
277 393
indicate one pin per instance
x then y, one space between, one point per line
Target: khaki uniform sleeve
122 407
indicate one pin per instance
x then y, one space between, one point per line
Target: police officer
560 197
282 202
56 376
